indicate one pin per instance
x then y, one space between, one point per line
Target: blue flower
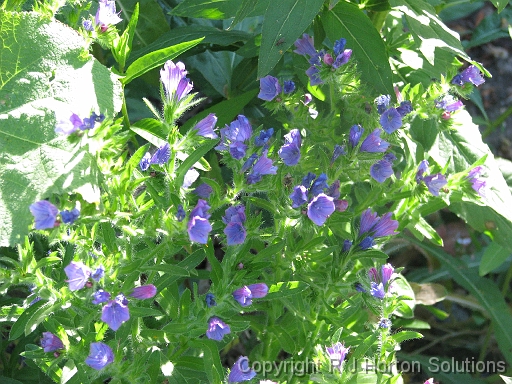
382 103
234 136
314 77
288 87
320 208
299 196
342 58
339 46
235 231
377 290
308 179
422 168
290 151
78 274
356 131
249 162
240 371
263 166
176 84
449 104
234 213
98 273
203 190
384 323
205 127
180 213
269 88
237 150
106 14
243 296
334 190
143 292
367 243
115 312
374 143
50 342
391 120
100 296
263 137
87 24
210 300
337 354
338 151
258 290
368 220
435 182
45 214
319 185
198 226
347 244
217 329
470 75
381 170
405 108
145 162
305 46
386 272
162 155
100 356
477 183
69 217
385 226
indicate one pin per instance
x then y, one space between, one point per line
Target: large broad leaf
460 147
216 9
43 68
484 290
284 21
348 21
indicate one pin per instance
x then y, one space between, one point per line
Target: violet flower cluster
270 88
433 182
234 219
235 136
45 215
206 126
175 82
322 59
50 342
391 117
290 151
372 226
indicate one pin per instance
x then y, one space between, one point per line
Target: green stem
497 122
126 119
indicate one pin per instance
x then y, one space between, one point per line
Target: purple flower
98 273
100 296
339 46
384 323
234 136
314 77
205 127
422 168
391 120
405 108
470 75
180 213
389 157
67 122
258 290
477 183
143 292
347 244
198 225
356 131
367 243
338 151
319 185
190 176
381 170
243 296
307 98
385 226
69 217
262 167
263 137
340 205
77 274
269 88
342 58
305 46
234 214
237 150
373 274
249 162
377 290
299 196
235 233
45 214
320 208
328 59
87 24
162 155
217 329
449 104
374 143
210 300
387 271
174 80
290 151
288 87
145 162
382 103
203 190
308 179
435 182
50 342
359 287
337 354
334 190
100 356
106 15
240 371
115 312
368 220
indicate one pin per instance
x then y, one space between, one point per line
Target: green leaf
144 312
261 203
192 159
284 21
151 24
406 335
123 48
43 68
348 21
156 59
500 4
285 289
212 363
244 9
484 290
26 317
215 9
494 255
151 130
364 346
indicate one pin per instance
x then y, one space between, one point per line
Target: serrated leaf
43 68
494 255
484 290
348 21
284 21
156 59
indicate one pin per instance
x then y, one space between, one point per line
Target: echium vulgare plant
242 242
